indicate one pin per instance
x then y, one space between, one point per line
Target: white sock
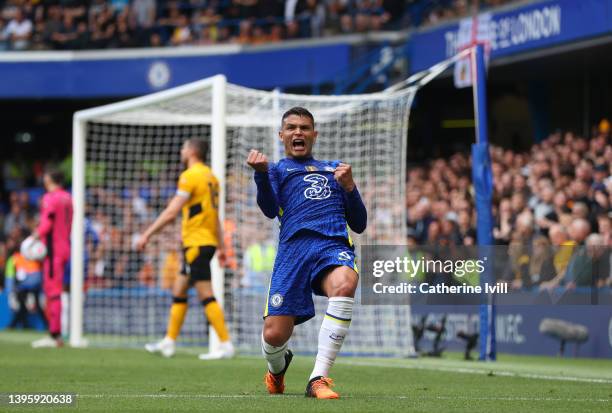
333 331
275 356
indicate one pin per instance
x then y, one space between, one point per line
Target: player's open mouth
298 144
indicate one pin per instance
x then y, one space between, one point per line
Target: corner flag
472 31
483 189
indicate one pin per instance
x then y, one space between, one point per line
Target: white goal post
125 165
217 84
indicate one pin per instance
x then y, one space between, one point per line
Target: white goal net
126 166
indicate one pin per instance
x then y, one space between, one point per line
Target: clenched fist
257 161
344 176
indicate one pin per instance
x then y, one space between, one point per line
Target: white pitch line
479 371
398 397
522 399
181 396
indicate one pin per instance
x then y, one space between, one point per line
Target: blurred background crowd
549 203
546 203
100 24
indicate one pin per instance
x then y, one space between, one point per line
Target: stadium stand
543 196
102 24
565 179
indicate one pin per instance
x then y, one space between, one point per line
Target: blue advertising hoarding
121 73
518 328
536 26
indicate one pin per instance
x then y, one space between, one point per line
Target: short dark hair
56 176
299 111
199 146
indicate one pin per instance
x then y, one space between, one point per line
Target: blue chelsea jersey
308 197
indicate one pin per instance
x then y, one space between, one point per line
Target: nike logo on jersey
291 169
344 256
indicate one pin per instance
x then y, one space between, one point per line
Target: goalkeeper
197 197
313 200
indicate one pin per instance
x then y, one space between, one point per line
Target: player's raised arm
168 215
266 197
356 213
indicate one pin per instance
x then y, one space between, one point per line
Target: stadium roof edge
542 53
66 56
552 50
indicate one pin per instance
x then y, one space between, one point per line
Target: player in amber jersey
197 197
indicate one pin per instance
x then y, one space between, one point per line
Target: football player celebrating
314 200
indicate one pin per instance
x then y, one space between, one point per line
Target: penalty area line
392 397
520 399
182 396
501 373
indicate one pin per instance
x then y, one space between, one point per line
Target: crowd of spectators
101 24
440 11
546 203
111 230
16 222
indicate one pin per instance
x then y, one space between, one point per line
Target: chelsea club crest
276 300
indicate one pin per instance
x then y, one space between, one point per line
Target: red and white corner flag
472 31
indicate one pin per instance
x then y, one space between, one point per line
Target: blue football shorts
300 263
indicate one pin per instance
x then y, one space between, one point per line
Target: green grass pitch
129 380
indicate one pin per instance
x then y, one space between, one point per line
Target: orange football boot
320 388
276 382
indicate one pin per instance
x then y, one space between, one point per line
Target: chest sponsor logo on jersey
318 189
